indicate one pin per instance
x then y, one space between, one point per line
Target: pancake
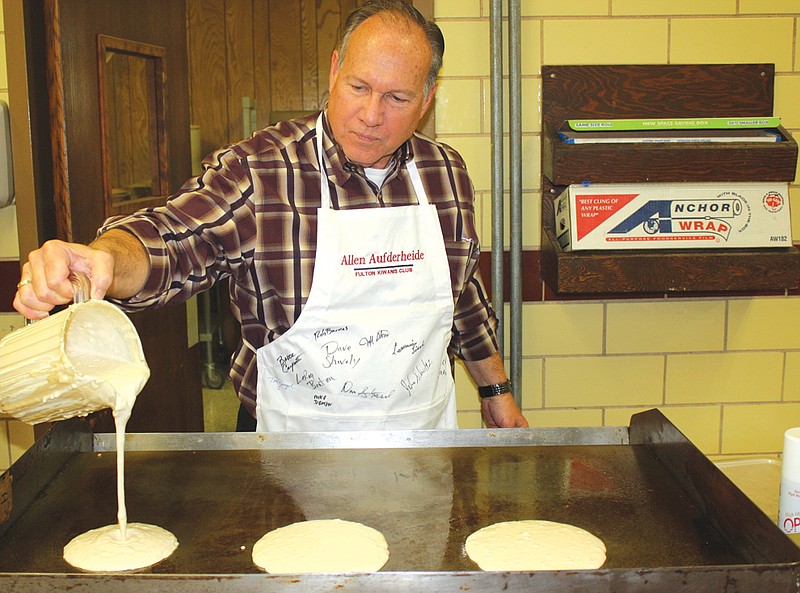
105 550
535 545
324 545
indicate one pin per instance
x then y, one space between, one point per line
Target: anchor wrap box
673 216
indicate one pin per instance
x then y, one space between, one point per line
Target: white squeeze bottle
789 504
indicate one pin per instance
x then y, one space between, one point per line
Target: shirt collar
342 168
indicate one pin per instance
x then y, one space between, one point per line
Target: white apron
369 350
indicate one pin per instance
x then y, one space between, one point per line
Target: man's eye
358 87
399 100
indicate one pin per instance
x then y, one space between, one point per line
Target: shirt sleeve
195 236
474 319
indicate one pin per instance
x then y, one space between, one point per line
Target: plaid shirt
252 216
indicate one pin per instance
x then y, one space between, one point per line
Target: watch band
496 389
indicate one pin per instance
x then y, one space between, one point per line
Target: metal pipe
515 182
496 105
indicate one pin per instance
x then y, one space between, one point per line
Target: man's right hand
45 279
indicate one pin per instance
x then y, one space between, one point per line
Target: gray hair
402 9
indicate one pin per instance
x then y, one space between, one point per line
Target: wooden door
65 107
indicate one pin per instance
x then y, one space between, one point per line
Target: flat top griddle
662 509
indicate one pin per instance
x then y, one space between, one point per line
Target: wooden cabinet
661 91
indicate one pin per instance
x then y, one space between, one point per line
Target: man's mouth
365 138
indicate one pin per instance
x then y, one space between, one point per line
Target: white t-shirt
376 176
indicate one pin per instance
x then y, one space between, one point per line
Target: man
349 241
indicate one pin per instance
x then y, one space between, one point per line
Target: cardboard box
673 216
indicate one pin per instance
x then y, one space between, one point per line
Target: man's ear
429 99
334 69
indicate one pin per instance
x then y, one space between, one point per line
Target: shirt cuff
157 282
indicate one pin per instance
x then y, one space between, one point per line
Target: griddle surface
426 501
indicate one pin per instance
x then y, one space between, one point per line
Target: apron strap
416 181
325 191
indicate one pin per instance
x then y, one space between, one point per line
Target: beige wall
15 437
9 250
725 370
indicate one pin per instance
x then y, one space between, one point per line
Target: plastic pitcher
72 363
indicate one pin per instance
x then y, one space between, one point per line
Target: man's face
376 96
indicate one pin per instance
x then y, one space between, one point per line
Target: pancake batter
122 546
535 545
324 545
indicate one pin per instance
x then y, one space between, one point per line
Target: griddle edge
27 477
743 524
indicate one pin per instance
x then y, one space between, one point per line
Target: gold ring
23 283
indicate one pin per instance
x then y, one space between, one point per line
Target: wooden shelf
564 164
608 92
672 271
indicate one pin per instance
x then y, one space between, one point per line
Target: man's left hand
501 411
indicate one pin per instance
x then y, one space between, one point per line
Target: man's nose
372 109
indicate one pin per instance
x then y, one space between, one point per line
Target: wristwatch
496 389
